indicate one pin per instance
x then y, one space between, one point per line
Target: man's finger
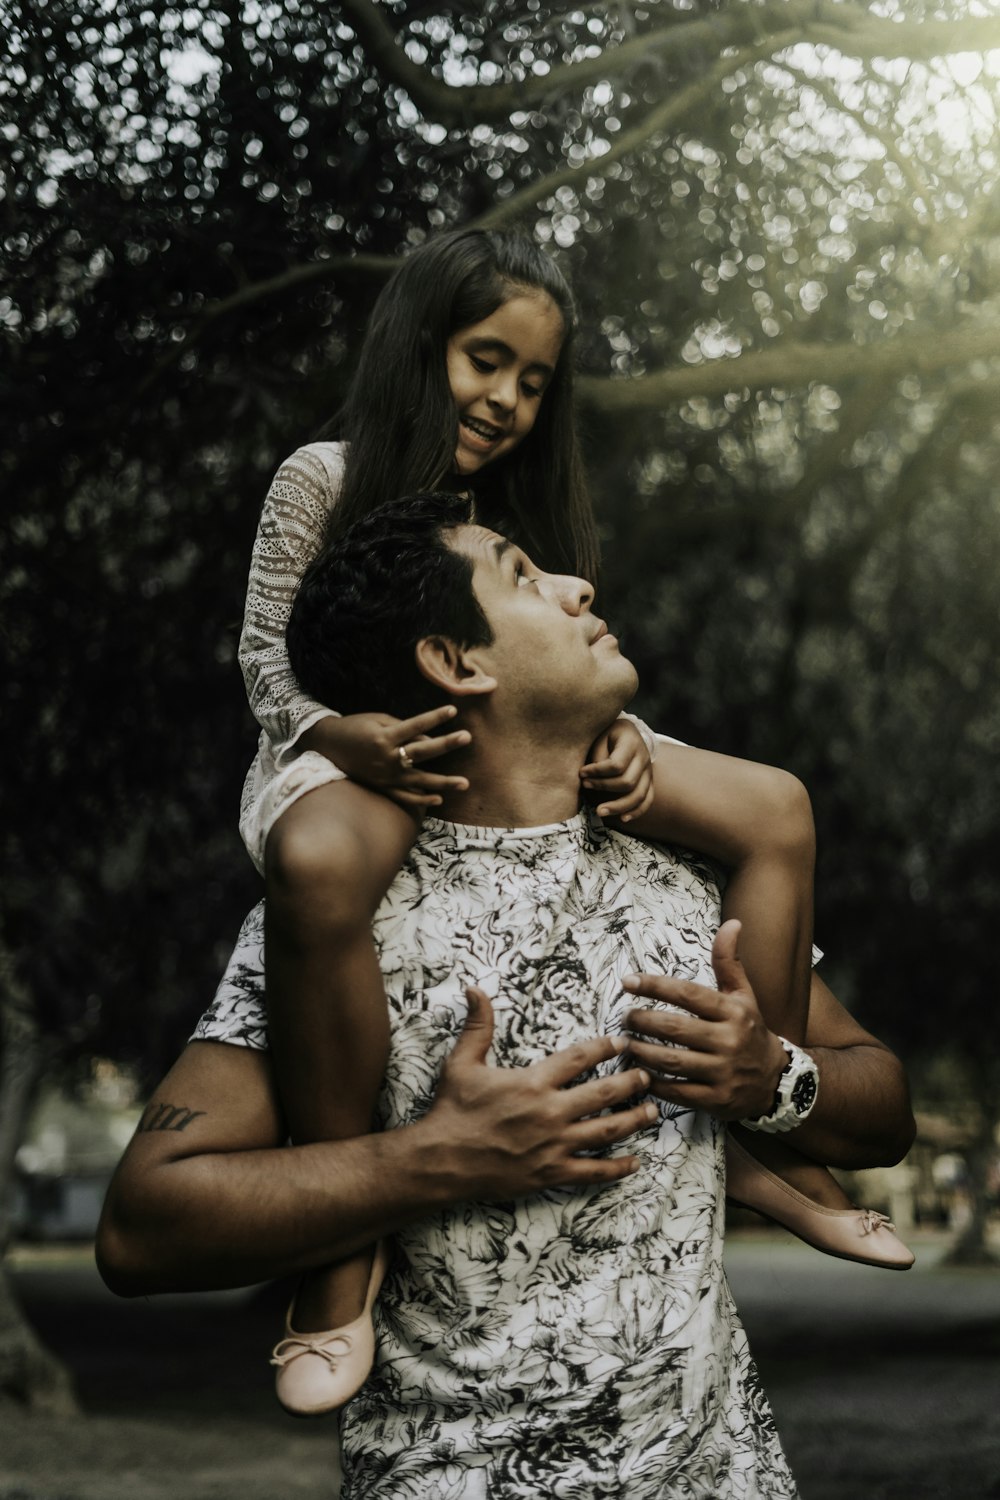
674 1028
581 1171
476 1035
679 1062
693 1095
562 1067
729 972
685 993
596 1094
592 1135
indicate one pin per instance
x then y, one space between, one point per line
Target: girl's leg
330 860
772 896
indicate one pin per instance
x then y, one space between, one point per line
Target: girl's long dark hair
399 418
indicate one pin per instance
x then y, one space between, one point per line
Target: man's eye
522 578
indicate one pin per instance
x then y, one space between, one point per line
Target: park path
885 1386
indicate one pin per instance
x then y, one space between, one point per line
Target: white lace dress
290 535
579 1343
292 530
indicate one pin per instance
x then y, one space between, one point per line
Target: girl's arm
757 822
291 532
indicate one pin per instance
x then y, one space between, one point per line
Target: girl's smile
498 371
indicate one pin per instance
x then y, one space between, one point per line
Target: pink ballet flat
318 1372
849 1233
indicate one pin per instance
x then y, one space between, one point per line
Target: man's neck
514 785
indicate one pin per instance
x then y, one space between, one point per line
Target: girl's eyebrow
497 346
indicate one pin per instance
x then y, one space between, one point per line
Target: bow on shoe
870 1221
291 1348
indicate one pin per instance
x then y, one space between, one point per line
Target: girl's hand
620 773
367 747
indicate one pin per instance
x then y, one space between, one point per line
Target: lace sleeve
291 532
647 734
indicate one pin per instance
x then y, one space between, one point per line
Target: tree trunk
29 1374
970 1248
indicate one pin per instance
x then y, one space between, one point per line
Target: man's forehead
480 545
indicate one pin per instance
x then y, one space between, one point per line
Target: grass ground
885 1386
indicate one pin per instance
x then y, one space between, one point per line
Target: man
535 1334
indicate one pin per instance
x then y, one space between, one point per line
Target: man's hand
514 1131
720 1057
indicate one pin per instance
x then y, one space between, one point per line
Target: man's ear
454 669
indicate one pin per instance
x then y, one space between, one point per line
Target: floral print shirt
577 1343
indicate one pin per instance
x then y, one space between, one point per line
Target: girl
464 381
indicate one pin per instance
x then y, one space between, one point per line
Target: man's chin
630 682
615 703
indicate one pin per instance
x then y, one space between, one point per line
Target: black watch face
804 1093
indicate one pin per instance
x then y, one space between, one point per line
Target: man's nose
574 595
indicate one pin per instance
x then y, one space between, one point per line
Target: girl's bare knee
343 841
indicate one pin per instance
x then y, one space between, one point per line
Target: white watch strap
785 1114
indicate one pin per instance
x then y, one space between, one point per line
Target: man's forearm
206 1196
862 1116
233 1218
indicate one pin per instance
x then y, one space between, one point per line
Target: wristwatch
795 1096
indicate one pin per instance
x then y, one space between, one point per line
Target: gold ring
404 759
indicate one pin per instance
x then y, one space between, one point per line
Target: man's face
554 661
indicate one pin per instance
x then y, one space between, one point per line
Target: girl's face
498 371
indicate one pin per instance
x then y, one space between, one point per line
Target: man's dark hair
389 580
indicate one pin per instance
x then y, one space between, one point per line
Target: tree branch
380 266
678 108
255 291
848 28
865 36
795 364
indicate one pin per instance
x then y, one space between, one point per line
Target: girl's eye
482 365
533 391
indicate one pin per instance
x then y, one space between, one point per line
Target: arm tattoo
166 1117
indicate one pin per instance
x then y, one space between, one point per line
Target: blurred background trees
783 225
